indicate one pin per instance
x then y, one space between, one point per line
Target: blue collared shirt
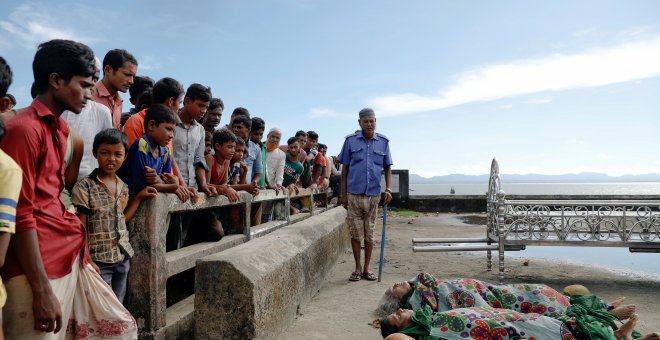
365 160
139 156
253 161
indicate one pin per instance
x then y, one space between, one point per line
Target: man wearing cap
364 156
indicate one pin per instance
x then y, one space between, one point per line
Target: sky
548 87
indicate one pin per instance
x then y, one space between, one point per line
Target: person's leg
369 224
107 270
120 278
354 222
625 331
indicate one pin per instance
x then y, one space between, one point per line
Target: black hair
33 90
159 113
208 136
140 84
146 99
12 98
241 111
301 133
110 136
66 58
116 58
216 103
322 146
257 124
313 135
166 88
223 136
2 130
241 119
199 91
6 77
386 328
292 140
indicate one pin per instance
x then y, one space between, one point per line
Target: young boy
293 169
224 144
237 167
151 151
101 200
252 159
208 143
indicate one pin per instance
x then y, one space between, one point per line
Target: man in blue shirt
364 156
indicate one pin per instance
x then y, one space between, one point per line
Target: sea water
629 188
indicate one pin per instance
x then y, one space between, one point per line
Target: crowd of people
430 308
74 168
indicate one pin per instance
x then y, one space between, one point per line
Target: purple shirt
365 160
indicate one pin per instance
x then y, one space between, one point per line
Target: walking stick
382 242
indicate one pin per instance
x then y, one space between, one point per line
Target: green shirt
292 171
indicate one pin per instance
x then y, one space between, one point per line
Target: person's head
140 85
197 100
2 130
239 151
213 114
110 148
208 142
12 101
64 68
322 148
224 143
367 121
146 99
395 322
294 146
159 122
238 112
302 137
6 77
312 138
241 126
119 68
257 130
274 136
393 298
168 91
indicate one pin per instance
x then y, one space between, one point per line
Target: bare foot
625 331
398 336
650 336
617 302
623 312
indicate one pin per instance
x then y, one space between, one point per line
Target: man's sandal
369 276
355 276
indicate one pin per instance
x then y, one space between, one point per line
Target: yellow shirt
11 178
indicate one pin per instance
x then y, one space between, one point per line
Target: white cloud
539 101
322 112
617 64
506 106
149 63
603 156
31 25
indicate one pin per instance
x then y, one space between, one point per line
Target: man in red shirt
47 268
119 69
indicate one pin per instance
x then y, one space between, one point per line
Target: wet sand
344 310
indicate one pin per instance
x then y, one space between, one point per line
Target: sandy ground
344 309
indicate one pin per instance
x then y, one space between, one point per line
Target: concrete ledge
253 290
183 259
299 217
267 228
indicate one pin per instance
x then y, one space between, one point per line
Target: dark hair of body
198 91
216 103
110 136
116 58
159 113
300 133
166 88
146 99
292 140
223 136
241 111
140 85
386 328
6 77
241 119
257 124
66 58
313 135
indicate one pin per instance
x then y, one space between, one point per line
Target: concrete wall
254 290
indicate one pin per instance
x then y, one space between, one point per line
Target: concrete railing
152 265
254 291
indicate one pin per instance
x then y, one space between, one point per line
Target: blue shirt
140 156
365 160
253 161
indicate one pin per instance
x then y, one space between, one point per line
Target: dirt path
344 310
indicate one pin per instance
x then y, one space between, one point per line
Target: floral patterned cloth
484 323
445 295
